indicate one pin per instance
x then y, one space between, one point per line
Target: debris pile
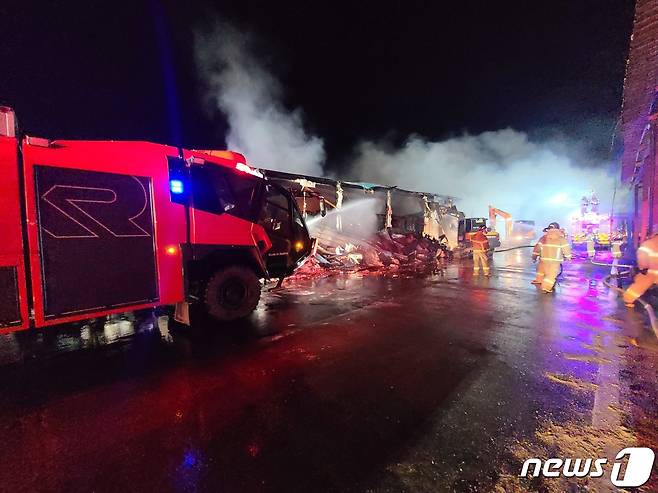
383 253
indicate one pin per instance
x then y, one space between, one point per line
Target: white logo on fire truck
63 197
638 462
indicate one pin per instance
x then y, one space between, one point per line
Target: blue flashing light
176 186
190 459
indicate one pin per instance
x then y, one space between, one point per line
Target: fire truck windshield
478 222
219 191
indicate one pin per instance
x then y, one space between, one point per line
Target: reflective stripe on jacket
647 254
552 247
480 241
616 248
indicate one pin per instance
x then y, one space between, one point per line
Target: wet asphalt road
347 383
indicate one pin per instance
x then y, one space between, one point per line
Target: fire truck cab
590 226
99 227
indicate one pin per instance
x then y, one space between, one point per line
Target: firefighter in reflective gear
480 248
552 249
590 245
647 262
616 242
540 266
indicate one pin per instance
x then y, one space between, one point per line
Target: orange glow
171 250
246 169
298 246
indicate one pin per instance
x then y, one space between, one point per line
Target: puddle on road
113 329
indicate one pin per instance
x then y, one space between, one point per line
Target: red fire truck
91 228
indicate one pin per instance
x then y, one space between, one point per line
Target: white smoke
536 181
502 168
260 127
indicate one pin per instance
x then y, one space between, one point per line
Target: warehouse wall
638 127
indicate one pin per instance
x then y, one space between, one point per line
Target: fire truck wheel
232 293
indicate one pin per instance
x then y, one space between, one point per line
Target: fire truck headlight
171 250
176 186
299 245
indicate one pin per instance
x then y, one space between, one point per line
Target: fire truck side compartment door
13 288
96 238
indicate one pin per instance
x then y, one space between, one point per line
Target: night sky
125 70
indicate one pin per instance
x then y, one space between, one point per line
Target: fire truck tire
232 293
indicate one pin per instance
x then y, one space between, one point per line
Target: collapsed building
362 225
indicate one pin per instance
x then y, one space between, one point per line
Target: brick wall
640 81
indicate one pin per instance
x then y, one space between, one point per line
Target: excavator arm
493 212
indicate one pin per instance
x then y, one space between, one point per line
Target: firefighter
590 245
647 262
616 242
480 248
540 266
551 249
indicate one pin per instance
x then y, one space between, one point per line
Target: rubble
383 253
371 228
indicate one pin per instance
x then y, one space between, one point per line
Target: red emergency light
247 169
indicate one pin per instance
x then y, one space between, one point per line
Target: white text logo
639 461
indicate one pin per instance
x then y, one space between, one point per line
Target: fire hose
611 265
649 309
607 282
557 277
513 248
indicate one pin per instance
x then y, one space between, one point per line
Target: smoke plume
541 181
535 181
260 126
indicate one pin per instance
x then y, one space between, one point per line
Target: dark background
125 70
